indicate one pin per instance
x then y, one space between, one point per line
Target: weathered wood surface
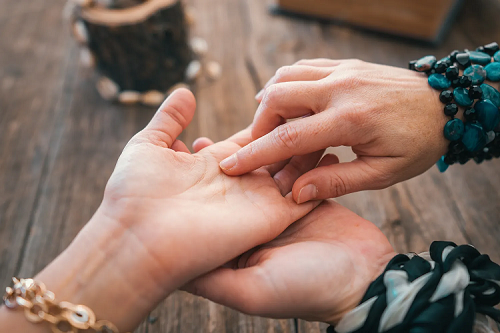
59 140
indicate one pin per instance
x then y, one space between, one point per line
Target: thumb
335 180
242 289
173 116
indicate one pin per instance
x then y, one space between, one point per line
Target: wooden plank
60 141
33 67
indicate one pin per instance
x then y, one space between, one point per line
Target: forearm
97 271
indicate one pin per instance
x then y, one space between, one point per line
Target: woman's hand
390 117
167 217
318 269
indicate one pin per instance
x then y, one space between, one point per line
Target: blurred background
59 140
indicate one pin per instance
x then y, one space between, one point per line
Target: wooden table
59 141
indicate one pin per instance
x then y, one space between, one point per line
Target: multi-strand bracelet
40 306
449 289
478 136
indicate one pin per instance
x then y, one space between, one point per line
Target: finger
180 146
286 101
299 137
276 167
328 159
319 62
172 117
297 166
243 137
201 143
295 73
242 289
335 180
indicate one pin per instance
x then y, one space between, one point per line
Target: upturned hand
318 269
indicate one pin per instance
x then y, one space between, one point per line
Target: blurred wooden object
424 19
141 50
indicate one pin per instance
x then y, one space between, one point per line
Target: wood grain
60 140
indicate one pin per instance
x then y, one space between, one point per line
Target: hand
390 117
167 217
318 269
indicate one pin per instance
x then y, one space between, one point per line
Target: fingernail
308 192
195 141
228 163
259 94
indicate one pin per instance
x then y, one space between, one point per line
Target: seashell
129 97
189 15
82 3
193 70
107 88
214 70
152 98
199 46
80 32
87 58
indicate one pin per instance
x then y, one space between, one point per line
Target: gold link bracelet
40 306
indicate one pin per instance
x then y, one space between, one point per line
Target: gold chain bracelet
40 306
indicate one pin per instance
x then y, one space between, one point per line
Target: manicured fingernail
228 163
308 192
259 94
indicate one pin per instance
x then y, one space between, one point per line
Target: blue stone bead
493 71
487 114
476 73
479 58
454 129
496 56
424 64
461 96
474 137
439 81
491 93
442 166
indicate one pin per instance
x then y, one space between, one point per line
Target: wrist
362 285
105 270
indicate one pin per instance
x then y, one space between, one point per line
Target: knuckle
382 179
246 152
356 119
350 81
282 73
338 186
175 113
158 138
354 62
286 136
271 96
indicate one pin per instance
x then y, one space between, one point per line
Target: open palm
318 269
165 198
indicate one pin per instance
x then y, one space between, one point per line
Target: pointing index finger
299 137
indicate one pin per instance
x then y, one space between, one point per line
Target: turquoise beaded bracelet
477 138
